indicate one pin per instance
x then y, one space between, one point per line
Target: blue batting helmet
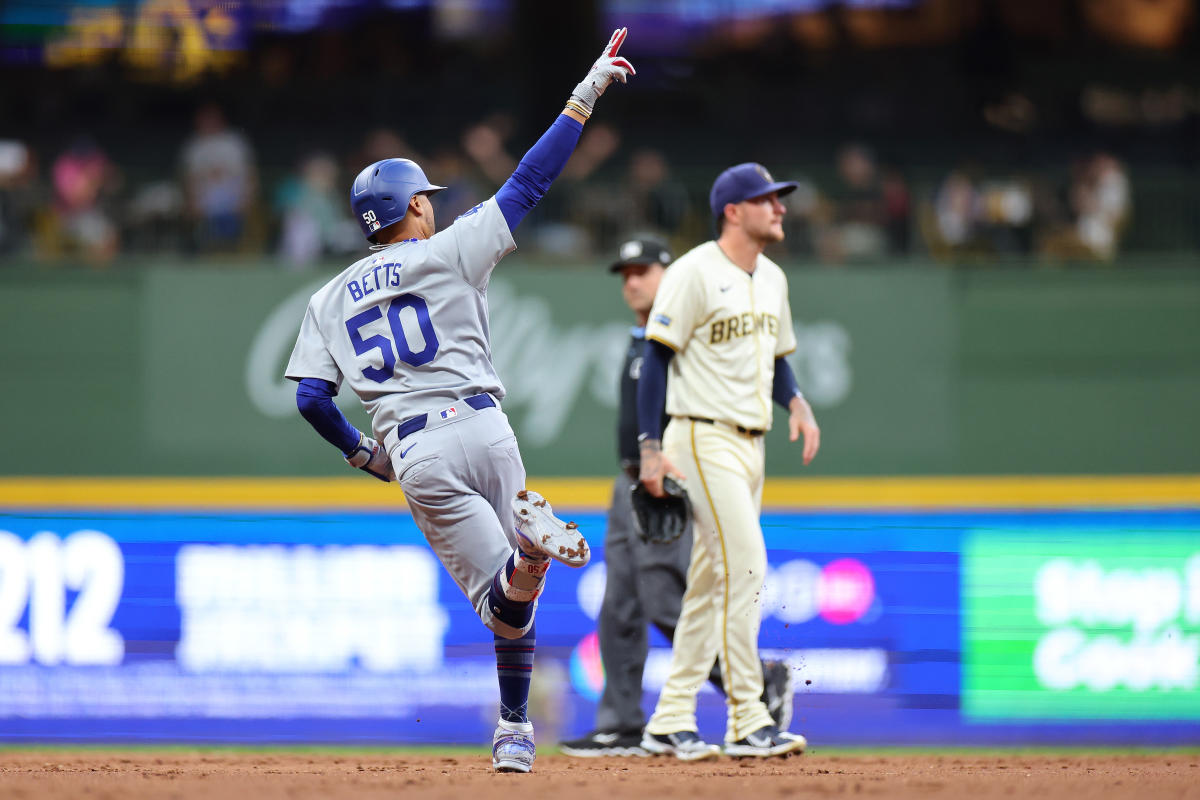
381 193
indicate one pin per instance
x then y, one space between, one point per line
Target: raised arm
546 159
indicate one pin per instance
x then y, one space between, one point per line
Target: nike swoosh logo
404 452
605 738
726 288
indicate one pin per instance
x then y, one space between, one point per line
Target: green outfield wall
913 370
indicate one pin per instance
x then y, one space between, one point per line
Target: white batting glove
370 457
608 68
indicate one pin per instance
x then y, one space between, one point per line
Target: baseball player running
644 580
722 316
407 327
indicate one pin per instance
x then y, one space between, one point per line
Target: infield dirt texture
184 775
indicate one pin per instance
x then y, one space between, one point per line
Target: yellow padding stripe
984 492
359 492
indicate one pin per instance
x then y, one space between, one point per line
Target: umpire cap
381 193
642 249
743 182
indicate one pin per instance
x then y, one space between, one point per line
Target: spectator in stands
462 192
807 211
315 214
897 210
952 229
657 201
381 143
857 226
1099 198
84 181
154 218
563 221
1005 215
19 199
220 182
484 144
647 197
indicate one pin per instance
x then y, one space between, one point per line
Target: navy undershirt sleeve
784 386
652 389
314 398
538 169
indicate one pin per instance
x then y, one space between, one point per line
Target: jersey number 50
398 345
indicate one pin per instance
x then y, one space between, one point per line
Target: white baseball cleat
540 533
513 749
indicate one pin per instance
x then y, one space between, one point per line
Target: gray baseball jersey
408 326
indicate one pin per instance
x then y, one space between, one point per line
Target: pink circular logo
845 591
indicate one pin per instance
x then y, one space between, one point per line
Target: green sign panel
1081 624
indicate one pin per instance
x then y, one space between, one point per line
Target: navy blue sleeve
652 389
314 398
784 386
537 170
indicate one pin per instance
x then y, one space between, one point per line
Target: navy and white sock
514 667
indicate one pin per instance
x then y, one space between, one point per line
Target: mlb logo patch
448 413
662 319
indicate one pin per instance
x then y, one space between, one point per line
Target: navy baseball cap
642 249
743 182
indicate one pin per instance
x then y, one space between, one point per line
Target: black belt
414 424
740 429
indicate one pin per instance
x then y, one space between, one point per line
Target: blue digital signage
311 627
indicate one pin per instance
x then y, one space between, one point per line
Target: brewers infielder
722 315
645 580
408 329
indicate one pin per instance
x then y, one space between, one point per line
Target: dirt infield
186 775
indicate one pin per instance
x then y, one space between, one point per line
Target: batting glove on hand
371 458
608 68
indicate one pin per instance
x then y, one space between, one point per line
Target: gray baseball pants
459 476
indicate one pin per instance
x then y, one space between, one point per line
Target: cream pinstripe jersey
726 327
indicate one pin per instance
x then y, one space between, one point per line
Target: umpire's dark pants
645 585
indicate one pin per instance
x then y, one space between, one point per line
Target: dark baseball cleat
513 749
779 693
684 745
766 742
540 533
605 743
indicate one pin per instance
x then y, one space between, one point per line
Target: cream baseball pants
721 611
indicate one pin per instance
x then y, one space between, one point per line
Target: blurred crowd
78 204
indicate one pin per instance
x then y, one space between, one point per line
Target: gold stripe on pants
721 612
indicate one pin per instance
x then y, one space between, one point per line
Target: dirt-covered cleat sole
543 534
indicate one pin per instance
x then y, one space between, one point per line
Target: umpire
645 579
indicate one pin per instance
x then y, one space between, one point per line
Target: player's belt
414 424
738 428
